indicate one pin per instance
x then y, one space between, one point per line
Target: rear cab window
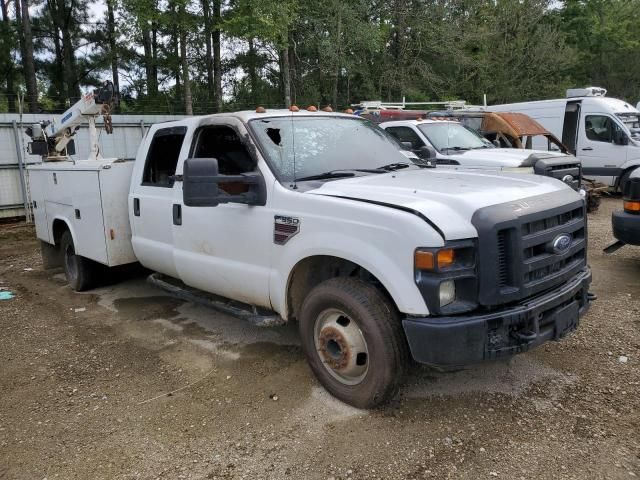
162 157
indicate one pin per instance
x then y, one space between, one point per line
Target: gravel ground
82 379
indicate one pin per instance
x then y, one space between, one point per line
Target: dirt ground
82 378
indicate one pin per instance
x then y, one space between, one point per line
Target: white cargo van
604 133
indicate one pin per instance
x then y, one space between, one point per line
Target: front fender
396 276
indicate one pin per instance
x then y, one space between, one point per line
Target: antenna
293 143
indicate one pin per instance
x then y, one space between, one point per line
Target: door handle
587 148
136 207
177 214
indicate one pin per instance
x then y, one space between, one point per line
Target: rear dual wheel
79 271
354 342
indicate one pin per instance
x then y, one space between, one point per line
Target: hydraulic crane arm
54 141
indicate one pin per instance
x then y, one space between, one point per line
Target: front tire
79 271
354 342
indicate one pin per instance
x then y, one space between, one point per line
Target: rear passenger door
151 201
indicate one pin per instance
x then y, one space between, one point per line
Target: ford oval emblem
561 243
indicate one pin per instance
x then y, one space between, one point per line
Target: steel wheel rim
341 346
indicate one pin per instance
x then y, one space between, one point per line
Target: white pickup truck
453 145
320 218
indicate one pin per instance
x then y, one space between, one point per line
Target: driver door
225 249
601 157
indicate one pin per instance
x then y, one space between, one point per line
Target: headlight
446 276
447 292
526 170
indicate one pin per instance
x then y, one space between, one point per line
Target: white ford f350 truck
319 217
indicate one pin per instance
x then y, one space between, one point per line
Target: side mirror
426 152
201 185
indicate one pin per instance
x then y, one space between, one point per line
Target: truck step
256 316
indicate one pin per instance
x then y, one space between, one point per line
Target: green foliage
339 52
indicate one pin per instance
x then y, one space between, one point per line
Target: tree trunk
63 18
253 73
152 79
207 44
111 31
217 61
27 61
10 90
188 104
175 62
154 55
296 81
336 80
59 79
285 73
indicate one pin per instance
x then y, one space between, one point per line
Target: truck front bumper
626 227
464 340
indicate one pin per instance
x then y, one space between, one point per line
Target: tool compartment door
74 197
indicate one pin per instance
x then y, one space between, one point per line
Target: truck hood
503 157
447 198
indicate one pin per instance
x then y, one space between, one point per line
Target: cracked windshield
327 145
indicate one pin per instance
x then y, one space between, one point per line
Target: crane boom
55 141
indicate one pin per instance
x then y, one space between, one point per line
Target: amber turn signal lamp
327 109
424 261
294 108
446 258
631 206
261 110
311 108
349 110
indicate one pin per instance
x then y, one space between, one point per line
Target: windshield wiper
457 149
327 175
392 167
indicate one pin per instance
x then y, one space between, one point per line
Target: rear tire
354 342
79 271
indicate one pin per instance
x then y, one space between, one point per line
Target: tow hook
525 336
592 296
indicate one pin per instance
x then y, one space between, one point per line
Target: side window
162 158
406 134
223 143
600 128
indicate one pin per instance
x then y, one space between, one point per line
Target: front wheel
79 271
354 342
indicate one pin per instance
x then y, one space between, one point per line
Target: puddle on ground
145 308
510 377
223 335
234 330
107 296
214 347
